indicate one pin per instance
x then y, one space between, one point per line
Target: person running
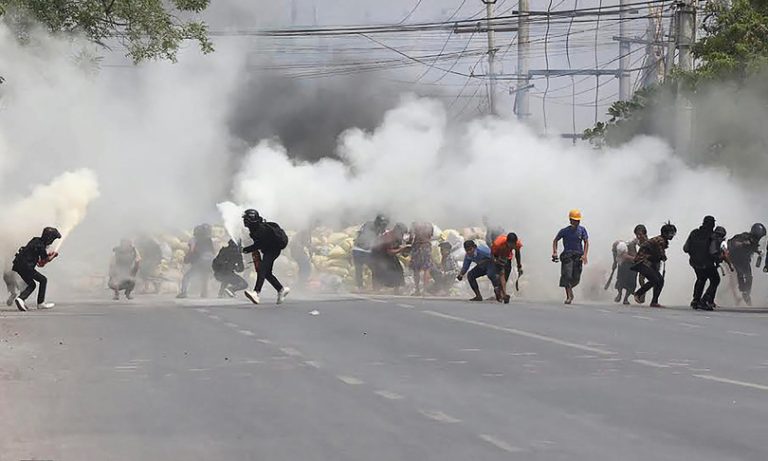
269 239
31 256
484 266
575 252
225 265
704 258
505 248
421 253
123 269
624 254
650 255
741 247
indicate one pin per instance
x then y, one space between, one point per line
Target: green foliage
148 29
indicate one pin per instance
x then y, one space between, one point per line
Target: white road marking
689 325
742 333
457 362
36 315
761 387
407 306
500 444
439 416
231 325
469 350
198 369
493 375
389 395
202 311
290 351
428 359
523 353
586 356
605 310
124 368
642 317
313 364
650 363
380 301
523 333
253 362
139 360
246 332
261 340
351 380
214 317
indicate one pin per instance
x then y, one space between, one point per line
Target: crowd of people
379 250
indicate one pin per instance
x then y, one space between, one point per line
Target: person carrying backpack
225 265
650 256
269 239
704 257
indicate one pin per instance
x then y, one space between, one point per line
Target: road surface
381 379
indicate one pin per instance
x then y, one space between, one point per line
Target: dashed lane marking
761 387
526 334
500 444
689 325
642 317
214 317
231 325
202 311
351 380
389 395
246 332
313 364
439 416
742 333
290 351
407 306
650 363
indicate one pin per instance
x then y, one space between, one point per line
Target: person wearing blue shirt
484 266
575 249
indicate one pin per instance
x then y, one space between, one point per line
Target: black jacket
29 255
229 260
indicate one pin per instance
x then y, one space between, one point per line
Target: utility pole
522 108
625 88
489 4
686 36
652 48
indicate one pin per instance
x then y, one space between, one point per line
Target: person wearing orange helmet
575 250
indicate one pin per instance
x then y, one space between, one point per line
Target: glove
248 249
461 277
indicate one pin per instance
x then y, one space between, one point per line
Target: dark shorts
570 269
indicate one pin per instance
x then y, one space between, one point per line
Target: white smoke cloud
417 165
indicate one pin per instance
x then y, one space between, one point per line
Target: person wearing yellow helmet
575 250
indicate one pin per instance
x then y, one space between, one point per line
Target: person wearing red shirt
504 249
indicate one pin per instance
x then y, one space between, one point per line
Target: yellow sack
337 252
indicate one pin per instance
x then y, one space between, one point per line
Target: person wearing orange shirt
504 249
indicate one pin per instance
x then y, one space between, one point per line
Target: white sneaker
252 296
282 294
46 306
229 293
20 304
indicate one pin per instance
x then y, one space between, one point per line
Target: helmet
381 221
758 230
640 229
720 231
574 214
50 234
202 231
251 217
668 231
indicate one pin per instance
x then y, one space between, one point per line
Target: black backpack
279 237
698 247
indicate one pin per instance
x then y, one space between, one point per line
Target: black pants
265 271
743 268
702 275
230 280
653 280
482 270
30 276
571 266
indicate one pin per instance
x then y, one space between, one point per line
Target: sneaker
282 294
229 293
657 305
252 296
20 304
477 298
11 299
45 306
506 299
626 301
638 299
617 299
181 296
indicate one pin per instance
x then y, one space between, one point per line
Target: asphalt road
381 379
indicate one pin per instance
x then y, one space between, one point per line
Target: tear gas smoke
418 166
62 203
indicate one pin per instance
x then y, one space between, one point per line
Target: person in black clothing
650 255
366 238
35 254
225 264
269 239
741 247
704 260
199 258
